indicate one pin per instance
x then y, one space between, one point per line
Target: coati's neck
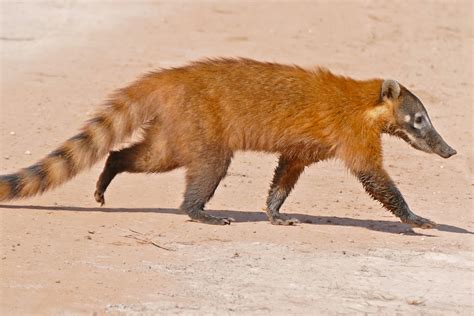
359 99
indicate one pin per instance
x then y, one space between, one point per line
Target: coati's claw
419 222
281 220
99 197
227 220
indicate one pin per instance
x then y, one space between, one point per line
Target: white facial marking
422 123
428 121
407 118
412 139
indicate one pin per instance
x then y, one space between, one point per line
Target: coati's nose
445 151
450 152
439 146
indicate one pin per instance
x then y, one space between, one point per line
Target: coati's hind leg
141 157
285 178
202 178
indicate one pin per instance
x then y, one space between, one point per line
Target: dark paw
99 197
213 220
283 220
420 222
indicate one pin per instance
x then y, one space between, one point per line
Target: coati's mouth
448 153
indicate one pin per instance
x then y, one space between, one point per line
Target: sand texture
61 254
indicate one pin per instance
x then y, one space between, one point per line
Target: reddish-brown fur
230 105
197 116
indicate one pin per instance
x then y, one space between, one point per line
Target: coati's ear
390 89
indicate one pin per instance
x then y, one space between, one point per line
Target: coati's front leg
285 178
380 187
202 179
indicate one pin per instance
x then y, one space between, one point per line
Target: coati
198 115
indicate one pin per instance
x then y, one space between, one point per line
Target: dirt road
62 254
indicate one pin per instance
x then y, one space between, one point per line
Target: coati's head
411 122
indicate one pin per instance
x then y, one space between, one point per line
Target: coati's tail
112 124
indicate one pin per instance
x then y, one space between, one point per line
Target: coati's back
252 105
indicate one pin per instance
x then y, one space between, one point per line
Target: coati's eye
418 119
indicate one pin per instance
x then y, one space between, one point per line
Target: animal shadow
392 227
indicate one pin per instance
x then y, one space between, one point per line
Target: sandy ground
62 254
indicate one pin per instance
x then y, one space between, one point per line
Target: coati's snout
412 122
